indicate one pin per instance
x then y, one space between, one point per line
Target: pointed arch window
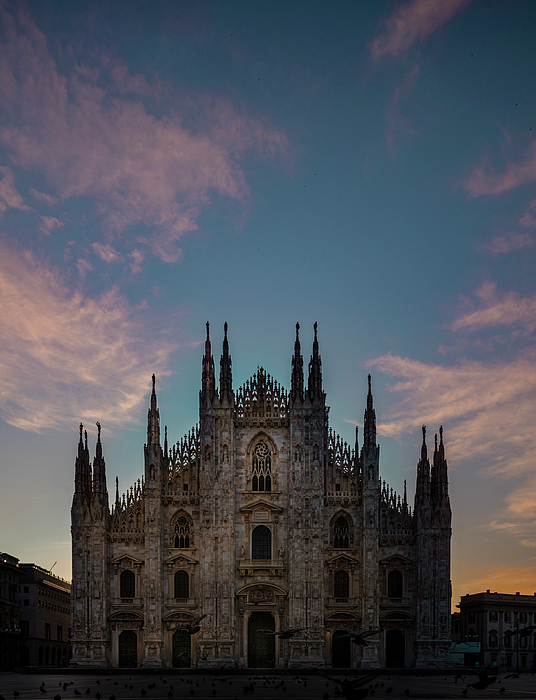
261 466
181 533
341 533
182 584
128 584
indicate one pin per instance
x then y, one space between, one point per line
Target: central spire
153 418
296 382
369 437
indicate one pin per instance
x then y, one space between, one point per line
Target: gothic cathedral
261 540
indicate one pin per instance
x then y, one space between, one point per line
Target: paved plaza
207 686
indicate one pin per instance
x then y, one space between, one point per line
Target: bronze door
181 650
261 646
341 650
128 649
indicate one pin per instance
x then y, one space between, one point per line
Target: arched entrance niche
395 649
128 649
181 655
261 644
341 649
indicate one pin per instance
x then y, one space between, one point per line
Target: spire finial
440 434
154 381
117 489
423 434
208 330
81 429
85 439
315 326
225 330
369 385
98 431
297 331
435 442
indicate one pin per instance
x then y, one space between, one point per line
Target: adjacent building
491 622
45 618
261 520
9 612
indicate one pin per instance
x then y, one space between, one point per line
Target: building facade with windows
261 519
9 612
45 618
496 621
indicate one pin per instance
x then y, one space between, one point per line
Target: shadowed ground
267 686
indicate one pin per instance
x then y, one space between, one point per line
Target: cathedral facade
261 539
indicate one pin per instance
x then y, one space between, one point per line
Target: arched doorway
128 649
24 655
261 646
181 650
395 642
341 649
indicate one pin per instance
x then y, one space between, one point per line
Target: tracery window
341 584
341 533
261 543
261 465
394 584
128 584
181 533
182 584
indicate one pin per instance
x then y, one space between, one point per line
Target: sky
367 166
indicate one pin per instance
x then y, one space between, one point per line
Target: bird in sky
193 627
284 634
360 639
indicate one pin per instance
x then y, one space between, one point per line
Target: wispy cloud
65 356
411 22
495 309
106 252
89 134
508 242
484 180
9 195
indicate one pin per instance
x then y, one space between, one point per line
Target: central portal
261 646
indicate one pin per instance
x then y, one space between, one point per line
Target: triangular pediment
342 558
181 558
261 504
126 560
396 559
126 615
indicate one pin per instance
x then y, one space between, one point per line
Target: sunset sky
367 165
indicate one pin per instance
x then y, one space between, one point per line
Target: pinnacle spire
153 418
315 370
208 388
296 382
226 377
99 467
370 418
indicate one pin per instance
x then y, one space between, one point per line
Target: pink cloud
89 139
47 224
413 21
9 195
106 252
61 351
507 243
483 181
496 309
42 197
137 259
529 217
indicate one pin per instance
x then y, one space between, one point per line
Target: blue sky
369 166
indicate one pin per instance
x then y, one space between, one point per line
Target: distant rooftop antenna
53 565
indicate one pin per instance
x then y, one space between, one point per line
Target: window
394 584
261 464
26 601
182 584
509 661
523 661
128 584
522 642
341 533
493 616
26 589
507 617
182 533
341 584
523 617
261 543
47 630
25 629
493 639
471 617
59 636
508 642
